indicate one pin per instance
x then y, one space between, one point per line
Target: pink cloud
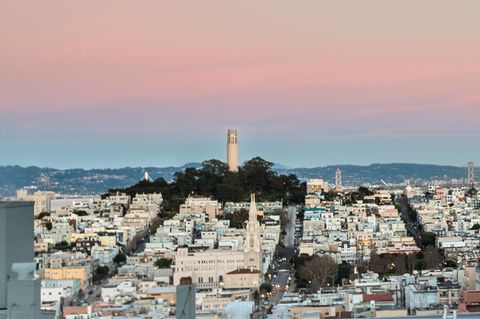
279 67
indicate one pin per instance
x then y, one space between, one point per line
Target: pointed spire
252 215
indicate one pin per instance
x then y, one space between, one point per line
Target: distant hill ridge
96 181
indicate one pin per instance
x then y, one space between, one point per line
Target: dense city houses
120 255
115 254
342 252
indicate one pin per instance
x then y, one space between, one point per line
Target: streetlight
392 266
333 281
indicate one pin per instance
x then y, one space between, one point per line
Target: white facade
52 294
104 255
208 268
418 297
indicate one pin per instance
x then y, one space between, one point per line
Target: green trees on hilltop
213 179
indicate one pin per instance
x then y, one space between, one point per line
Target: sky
116 83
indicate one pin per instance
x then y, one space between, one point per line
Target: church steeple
253 245
252 214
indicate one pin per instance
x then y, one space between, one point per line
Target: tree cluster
163 263
399 264
475 227
42 215
63 245
412 213
215 180
360 194
428 239
119 259
316 271
350 197
100 274
238 218
80 213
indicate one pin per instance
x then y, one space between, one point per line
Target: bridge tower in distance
338 180
471 174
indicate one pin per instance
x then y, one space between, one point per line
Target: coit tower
232 150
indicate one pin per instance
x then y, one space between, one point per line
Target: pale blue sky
113 83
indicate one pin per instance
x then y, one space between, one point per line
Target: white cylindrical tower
232 150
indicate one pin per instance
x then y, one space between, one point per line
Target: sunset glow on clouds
350 82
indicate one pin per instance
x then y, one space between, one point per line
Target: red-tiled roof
385 296
75 310
471 297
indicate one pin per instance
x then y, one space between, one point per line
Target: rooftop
161 290
243 271
386 296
